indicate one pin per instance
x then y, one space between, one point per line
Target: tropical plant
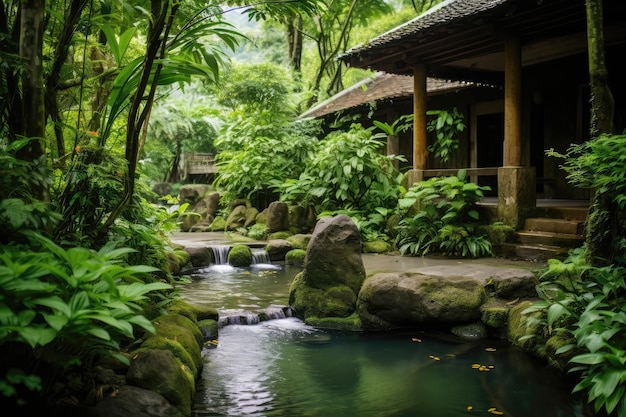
62 308
446 125
348 173
255 153
587 302
440 215
600 164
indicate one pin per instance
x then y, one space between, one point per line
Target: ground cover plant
584 297
439 215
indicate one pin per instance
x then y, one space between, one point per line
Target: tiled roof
380 86
444 13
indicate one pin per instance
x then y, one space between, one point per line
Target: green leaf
588 358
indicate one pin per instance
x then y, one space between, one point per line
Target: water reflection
285 368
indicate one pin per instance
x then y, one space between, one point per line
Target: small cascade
220 254
250 318
260 256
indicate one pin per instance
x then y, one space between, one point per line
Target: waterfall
220 254
250 318
260 256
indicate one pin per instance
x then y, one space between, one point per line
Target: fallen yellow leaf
470 408
415 339
495 411
490 349
475 366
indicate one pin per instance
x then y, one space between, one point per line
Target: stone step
564 240
561 226
534 253
568 213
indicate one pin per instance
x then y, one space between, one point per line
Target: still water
286 368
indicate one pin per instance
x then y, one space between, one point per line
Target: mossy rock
160 371
240 256
178 306
207 313
281 235
218 224
330 301
191 311
184 331
555 342
524 333
261 218
209 329
495 314
376 246
299 240
295 257
177 349
352 323
181 256
498 235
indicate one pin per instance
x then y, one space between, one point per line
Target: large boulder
333 271
192 193
161 372
413 299
277 216
132 401
277 249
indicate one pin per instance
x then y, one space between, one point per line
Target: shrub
446 219
62 308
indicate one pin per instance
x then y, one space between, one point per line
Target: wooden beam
419 117
512 103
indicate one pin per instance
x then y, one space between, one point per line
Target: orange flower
77 148
94 134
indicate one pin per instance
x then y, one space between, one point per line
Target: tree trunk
602 222
33 107
601 98
294 40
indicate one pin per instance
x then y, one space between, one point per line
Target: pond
286 368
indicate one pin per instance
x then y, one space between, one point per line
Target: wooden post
419 114
512 103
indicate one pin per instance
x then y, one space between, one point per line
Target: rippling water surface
286 368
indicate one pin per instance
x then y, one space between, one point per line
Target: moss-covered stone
299 240
495 314
376 246
181 256
218 224
328 301
352 323
556 342
295 257
524 332
209 329
178 306
240 255
183 330
160 371
280 235
177 349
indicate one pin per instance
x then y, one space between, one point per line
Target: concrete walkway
379 263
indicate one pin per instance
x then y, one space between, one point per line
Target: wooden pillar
512 103
419 114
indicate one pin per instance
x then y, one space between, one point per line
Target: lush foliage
348 172
254 155
61 308
446 125
587 302
440 215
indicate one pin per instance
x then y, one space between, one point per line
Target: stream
283 367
